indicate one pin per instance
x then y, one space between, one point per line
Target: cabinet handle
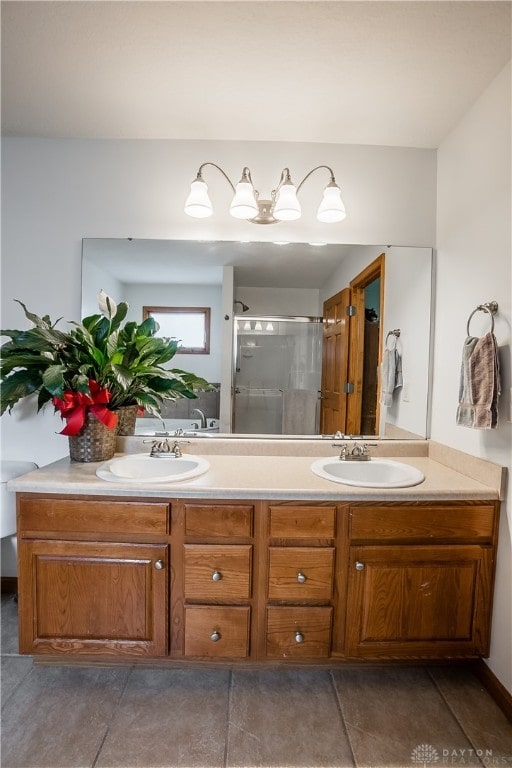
299 637
215 636
359 566
216 576
301 577
159 565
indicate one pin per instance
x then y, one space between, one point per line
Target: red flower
74 407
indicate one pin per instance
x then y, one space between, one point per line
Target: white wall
280 301
473 266
55 192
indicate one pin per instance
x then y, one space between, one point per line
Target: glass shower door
277 375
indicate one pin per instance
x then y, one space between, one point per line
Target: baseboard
498 691
9 585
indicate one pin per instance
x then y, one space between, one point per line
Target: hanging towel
390 375
480 387
300 412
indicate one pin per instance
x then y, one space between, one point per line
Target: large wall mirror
302 336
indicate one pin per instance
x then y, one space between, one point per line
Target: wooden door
333 410
411 601
90 597
364 386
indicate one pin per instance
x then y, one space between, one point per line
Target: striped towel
480 387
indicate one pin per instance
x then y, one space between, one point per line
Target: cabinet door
89 598
419 601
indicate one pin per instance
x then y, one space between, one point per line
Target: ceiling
383 73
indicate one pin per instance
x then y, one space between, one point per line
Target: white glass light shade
198 204
331 209
244 205
287 206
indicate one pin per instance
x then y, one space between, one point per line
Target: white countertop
256 477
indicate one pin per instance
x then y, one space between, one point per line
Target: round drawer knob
215 636
299 637
359 566
159 565
216 576
301 578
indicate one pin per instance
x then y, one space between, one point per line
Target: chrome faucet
202 417
358 453
163 449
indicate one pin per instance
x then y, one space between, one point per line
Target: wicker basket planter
126 417
94 442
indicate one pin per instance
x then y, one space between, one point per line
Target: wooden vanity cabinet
213 620
420 580
85 589
301 563
267 582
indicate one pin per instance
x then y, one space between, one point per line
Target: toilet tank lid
11 469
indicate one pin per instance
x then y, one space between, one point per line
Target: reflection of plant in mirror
126 360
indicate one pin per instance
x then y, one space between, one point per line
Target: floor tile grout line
22 680
228 717
340 711
111 718
453 713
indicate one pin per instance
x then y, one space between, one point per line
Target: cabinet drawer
217 572
218 520
217 631
436 523
300 573
302 522
299 632
80 516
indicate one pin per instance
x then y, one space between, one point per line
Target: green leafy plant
128 360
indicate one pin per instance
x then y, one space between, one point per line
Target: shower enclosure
277 374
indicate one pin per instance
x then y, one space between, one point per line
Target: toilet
8 471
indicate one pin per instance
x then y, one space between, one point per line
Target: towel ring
491 307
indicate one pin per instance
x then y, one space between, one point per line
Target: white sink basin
142 468
375 473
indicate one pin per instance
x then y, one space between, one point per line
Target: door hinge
351 310
348 388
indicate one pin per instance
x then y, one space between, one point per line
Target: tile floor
62 717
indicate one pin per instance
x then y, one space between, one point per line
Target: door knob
215 636
159 565
359 566
301 577
216 576
299 637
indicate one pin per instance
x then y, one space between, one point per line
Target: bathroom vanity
311 572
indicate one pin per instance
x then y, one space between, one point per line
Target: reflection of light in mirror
237 326
317 245
281 242
247 326
270 326
258 326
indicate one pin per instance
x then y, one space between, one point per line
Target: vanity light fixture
283 205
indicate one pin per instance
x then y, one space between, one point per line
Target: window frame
206 311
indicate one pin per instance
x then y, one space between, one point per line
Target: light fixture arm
332 181
203 165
